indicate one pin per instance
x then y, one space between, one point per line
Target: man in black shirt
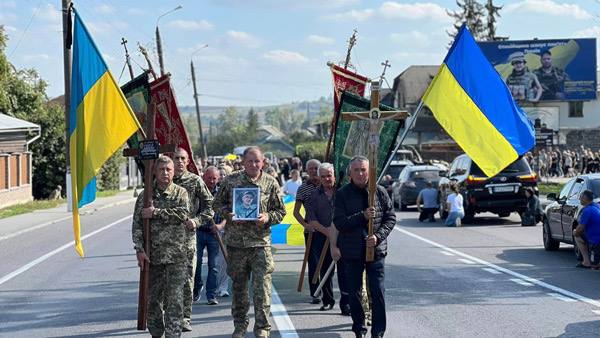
351 215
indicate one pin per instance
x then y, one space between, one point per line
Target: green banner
351 137
137 92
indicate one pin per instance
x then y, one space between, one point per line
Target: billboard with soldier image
546 70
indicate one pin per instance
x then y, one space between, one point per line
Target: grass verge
546 188
24 208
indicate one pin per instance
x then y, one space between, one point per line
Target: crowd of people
554 162
191 213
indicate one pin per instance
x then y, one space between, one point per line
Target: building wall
15 178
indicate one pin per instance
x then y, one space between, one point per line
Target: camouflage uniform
168 256
200 213
249 249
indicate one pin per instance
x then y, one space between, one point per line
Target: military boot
238 333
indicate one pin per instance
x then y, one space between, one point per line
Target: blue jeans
207 240
453 216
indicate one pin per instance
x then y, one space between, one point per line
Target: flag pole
67 42
407 127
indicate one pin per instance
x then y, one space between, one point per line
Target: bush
108 177
308 150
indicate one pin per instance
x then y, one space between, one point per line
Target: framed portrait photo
246 204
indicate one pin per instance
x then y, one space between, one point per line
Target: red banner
345 80
169 127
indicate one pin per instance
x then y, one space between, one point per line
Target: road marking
507 271
446 253
561 297
493 271
520 282
596 312
54 252
83 212
280 316
466 261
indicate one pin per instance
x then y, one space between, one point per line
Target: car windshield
403 156
429 175
519 166
394 171
595 185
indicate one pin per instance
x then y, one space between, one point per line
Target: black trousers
319 242
343 284
313 261
427 213
375 280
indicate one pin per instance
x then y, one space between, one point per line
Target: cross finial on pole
385 65
351 43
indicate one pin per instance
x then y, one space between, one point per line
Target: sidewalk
12 226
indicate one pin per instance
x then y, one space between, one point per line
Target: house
15 159
271 139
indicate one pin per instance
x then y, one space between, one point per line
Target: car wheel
395 201
550 244
469 216
403 207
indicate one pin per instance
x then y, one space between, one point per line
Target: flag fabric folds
289 231
100 120
475 107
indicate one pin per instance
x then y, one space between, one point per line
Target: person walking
351 217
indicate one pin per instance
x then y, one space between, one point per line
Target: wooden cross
375 118
148 168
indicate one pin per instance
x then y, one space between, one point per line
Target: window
578 187
565 190
576 109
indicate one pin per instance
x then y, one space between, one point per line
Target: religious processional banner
137 92
351 137
169 127
345 80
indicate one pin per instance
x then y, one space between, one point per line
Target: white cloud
590 32
10 28
416 11
285 57
108 57
414 39
136 11
33 57
244 38
192 25
49 13
105 27
320 40
8 4
7 17
332 54
548 7
104 9
353 15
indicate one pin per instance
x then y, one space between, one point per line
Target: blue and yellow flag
475 107
289 231
100 120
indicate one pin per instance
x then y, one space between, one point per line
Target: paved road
491 279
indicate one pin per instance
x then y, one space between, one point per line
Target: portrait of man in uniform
245 203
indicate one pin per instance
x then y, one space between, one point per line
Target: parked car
396 167
501 194
411 181
560 216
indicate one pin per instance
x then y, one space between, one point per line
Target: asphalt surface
489 279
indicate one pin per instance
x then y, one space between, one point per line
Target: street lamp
158 42
201 143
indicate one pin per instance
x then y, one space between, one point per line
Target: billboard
546 70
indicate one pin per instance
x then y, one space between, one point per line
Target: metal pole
201 137
66 4
407 127
160 54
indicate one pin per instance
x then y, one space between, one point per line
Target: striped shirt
305 191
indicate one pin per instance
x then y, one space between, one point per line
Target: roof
9 123
411 84
273 131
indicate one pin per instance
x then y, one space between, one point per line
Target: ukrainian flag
100 120
475 107
289 231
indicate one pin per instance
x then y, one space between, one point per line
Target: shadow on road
582 330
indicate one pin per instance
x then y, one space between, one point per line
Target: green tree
493 12
251 126
109 176
472 13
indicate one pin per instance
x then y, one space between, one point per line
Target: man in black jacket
351 217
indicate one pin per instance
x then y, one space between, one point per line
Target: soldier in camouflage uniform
200 213
168 254
249 242
523 84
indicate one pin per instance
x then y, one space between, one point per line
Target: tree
109 176
492 13
251 126
471 13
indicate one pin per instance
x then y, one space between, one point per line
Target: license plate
504 189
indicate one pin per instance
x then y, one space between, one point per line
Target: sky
265 52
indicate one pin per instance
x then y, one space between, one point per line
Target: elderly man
303 198
351 217
587 232
200 213
206 238
319 215
168 234
249 242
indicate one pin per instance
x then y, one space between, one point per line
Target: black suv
501 194
560 216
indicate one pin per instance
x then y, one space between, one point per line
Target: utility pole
201 143
67 42
160 54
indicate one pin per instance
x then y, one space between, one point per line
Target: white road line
466 261
596 312
493 271
280 316
520 282
446 253
507 271
561 297
54 252
82 212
